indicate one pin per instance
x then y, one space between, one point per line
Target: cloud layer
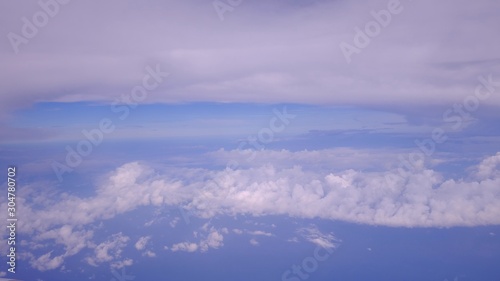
418 198
421 197
261 52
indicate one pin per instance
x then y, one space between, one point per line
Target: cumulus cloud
123 263
74 241
141 245
142 242
73 211
412 64
214 240
109 250
47 262
150 254
489 168
210 238
254 242
184 246
315 236
421 198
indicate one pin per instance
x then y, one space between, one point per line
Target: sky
250 140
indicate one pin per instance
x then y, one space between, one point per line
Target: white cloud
238 231
410 64
260 232
47 262
149 253
252 232
123 263
422 198
49 211
142 242
212 239
184 246
315 236
74 241
489 168
254 242
149 223
109 250
173 223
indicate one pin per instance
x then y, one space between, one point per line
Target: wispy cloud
315 236
110 251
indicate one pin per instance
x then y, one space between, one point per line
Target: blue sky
64 121
261 140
